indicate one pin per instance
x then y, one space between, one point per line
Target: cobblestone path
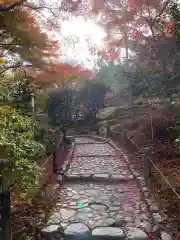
99 196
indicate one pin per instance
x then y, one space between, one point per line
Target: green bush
20 152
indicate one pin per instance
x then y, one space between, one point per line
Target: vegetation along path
100 198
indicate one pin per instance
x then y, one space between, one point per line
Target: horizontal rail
158 170
61 140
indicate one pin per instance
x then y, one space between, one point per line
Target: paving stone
120 221
154 209
86 176
117 203
67 213
109 222
156 218
165 236
114 208
55 218
136 234
117 177
130 177
146 226
101 177
71 176
52 232
107 233
98 207
50 229
78 231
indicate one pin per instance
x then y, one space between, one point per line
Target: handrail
158 170
52 153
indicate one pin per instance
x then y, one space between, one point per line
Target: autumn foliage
9 2
63 74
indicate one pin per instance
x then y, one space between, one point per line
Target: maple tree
22 39
63 75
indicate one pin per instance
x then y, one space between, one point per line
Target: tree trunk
130 102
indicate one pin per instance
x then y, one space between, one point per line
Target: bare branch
39 8
11 67
161 12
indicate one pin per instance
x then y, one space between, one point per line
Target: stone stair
101 197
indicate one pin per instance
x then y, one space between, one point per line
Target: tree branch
39 8
10 67
161 12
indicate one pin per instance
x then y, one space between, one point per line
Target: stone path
99 197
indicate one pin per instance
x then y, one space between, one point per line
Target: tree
112 75
22 39
63 75
61 104
91 97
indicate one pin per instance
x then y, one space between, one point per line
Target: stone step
80 231
97 177
99 205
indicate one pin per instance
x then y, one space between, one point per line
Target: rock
52 232
78 231
86 176
107 233
85 210
165 236
146 226
50 229
101 177
120 221
156 217
98 207
143 207
117 177
116 203
59 177
75 197
109 222
67 213
136 234
114 208
64 224
55 218
154 209
144 189
83 216
70 176
130 177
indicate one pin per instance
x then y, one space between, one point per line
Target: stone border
94 137
100 177
66 164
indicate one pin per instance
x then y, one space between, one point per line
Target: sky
77 36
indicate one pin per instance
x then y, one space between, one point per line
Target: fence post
6 215
146 164
54 162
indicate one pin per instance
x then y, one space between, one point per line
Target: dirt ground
164 152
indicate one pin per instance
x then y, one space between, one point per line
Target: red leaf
136 3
